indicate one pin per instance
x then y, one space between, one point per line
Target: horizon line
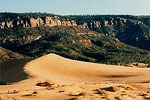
76 14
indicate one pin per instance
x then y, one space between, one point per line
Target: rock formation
111 22
37 22
47 21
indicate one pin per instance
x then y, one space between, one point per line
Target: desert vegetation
123 42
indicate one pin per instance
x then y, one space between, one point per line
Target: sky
78 7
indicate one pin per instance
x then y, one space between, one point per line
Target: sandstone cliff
55 21
32 22
111 22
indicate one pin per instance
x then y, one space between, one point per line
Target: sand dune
59 69
76 79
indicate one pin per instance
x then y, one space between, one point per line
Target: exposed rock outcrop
55 21
110 22
32 22
140 65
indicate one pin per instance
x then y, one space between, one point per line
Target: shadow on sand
13 70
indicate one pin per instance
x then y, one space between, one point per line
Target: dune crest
62 70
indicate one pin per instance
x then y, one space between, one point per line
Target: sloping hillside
7 54
111 39
72 42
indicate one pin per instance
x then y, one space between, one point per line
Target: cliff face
32 22
55 21
111 22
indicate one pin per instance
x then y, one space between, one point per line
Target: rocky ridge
37 22
111 22
48 21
